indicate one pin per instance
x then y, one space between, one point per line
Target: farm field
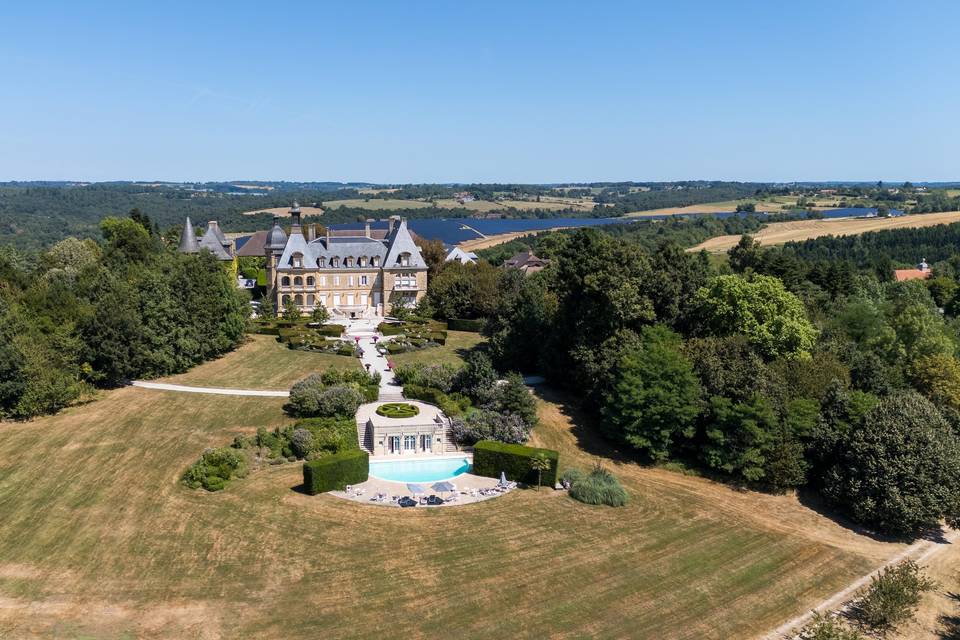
453 352
798 230
261 363
283 212
99 540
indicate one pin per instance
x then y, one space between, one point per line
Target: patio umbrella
503 477
444 486
416 489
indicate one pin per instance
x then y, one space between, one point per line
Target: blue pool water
420 470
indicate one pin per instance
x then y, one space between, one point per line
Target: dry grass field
283 212
261 363
781 232
99 540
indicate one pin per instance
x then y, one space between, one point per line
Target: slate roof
212 242
400 242
354 246
255 244
188 238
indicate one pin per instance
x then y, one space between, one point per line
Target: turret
188 238
295 219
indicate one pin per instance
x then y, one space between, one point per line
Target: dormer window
322 262
297 260
348 262
375 261
404 259
334 262
361 262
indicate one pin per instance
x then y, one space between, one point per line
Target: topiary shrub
490 458
397 410
336 471
463 324
599 487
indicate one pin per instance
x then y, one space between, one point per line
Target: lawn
99 540
262 363
453 352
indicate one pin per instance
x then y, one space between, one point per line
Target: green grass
98 539
262 363
453 352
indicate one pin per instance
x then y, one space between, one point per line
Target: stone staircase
364 437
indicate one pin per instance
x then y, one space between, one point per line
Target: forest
86 314
765 370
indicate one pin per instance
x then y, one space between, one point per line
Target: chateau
353 274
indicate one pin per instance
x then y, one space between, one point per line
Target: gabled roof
188 238
254 245
461 256
400 242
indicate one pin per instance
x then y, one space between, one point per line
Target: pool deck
468 488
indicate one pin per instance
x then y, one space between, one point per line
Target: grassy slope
453 352
98 539
261 363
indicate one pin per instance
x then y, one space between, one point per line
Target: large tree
899 471
655 396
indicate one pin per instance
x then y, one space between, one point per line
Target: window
298 281
285 281
322 262
336 281
284 299
404 259
363 279
362 262
297 260
298 299
425 444
334 262
323 281
409 443
375 261
348 262
310 299
310 281
351 281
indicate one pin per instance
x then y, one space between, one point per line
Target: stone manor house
354 274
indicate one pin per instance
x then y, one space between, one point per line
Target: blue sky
480 91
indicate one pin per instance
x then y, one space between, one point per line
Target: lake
454 230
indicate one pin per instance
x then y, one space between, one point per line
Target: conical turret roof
188 238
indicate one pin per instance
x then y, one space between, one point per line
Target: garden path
163 386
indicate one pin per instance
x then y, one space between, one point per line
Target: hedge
491 457
333 330
391 329
464 324
336 471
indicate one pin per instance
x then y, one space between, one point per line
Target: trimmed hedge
397 410
465 324
332 330
491 457
391 329
335 472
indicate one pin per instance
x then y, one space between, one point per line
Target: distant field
551 204
285 211
262 363
772 204
781 232
377 204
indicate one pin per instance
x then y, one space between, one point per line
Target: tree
291 310
938 378
655 395
127 240
827 628
266 307
772 319
745 255
477 378
434 254
539 463
899 472
512 396
738 436
320 314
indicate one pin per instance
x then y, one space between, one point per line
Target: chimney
295 219
311 232
392 223
366 227
328 237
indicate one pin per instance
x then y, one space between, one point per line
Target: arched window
284 299
298 299
334 262
285 281
310 299
298 281
348 262
310 281
403 259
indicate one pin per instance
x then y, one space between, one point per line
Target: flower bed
397 410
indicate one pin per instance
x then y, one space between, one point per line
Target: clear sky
480 91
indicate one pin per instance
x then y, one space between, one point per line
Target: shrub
215 468
301 442
332 330
893 596
490 458
599 487
395 347
452 405
438 376
827 628
571 476
339 400
463 324
391 329
335 472
514 397
397 410
331 394
485 424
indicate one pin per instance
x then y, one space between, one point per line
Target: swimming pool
420 470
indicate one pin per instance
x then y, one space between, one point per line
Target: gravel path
162 386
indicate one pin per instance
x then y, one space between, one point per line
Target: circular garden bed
397 410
